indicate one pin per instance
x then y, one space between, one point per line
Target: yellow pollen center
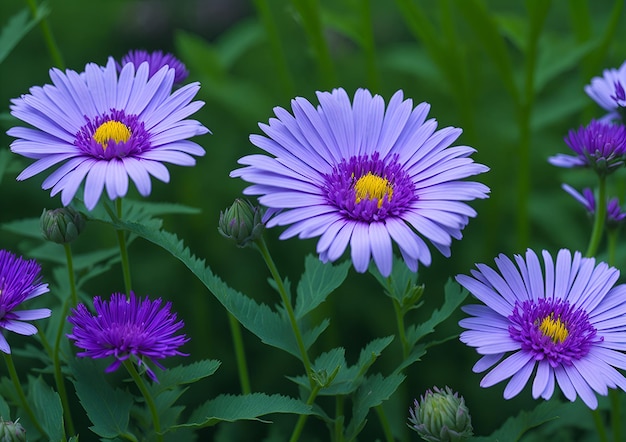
372 186
111 130
554 329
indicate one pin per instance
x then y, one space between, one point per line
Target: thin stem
147 396
20 393
598 223
597 420
70 274
303 417
55 53
339 417
288 308
382 417
401 330
58 374
240 355
121 239
616 422
611 245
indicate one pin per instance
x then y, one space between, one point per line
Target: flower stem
147 396
598 223
382 417
121 239
260 243
55 53
303 417
70 274
616 422
240 355
58 375
597 420
339 417
20 393
401 331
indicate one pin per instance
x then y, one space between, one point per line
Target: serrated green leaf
17 27
47 407
318 281
228 408
186 374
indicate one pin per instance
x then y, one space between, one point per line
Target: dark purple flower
125 327
614 214
608 92
19 281
156 60
599 145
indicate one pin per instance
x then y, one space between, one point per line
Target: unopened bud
62 225
242 222
11 431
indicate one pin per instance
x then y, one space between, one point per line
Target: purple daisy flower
567 322
599 145
127 327
608 92
104 129
614 214
20 280
361 174
156 60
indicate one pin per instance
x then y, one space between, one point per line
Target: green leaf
47 408
399 283
17 27
5 158
108 408
199 56
228 408
243 36
557 56
5 413
317 282
186 374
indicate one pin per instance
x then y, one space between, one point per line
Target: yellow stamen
111 130
372 186
554 329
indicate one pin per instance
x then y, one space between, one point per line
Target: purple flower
361 174
19 281
125 328
103 129
587 199
601 146
156 60
566 322
614 214
608 92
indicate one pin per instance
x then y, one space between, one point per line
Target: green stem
616 422
20 393
303 417
58 374
368 44
382 417
597 420
70 274
598 222
55 54
121 239
147 396
240 355
339 417
401 329
260 243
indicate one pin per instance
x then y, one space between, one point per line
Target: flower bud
62 225
242 222
441 416
11 431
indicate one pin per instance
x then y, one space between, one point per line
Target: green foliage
47 408
17 27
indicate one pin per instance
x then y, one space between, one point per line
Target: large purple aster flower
566 322
361 174
20 280
608 92
103 129
127 327
156 60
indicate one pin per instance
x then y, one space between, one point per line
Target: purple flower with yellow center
156 60
599 145
608 92
127 328
20 280
565 324
359 174
102 128
614 213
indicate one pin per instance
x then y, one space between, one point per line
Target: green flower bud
62 225
11 431
441 416
242 222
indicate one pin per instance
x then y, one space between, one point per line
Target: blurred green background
511 74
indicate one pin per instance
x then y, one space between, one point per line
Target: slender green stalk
597 420
121 239
339 417
55 53
20 393
240 354
260 243
368 44
600 216
616 422
401 329
70 274
147 396
59 379
295 435
382 417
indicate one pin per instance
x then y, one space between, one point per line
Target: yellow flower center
372 186
554 329
111 130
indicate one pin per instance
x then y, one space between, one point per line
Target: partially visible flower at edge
614 213
361 174
441 416
20 280
127 327
608 92
103 129
599 145
566 321
156 60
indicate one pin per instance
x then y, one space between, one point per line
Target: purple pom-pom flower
156 60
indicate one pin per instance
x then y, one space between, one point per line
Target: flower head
103 129
608 92
599 145
565 321
441 416
127 327
359 174
614 214
20 280
242 222
156 60
61 225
